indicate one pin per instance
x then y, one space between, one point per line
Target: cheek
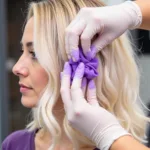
40 80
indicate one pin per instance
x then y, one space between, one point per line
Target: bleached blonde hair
117 84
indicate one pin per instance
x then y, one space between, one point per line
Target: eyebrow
28 44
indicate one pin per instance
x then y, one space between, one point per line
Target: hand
107 23
86 115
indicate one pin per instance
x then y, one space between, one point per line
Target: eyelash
31 52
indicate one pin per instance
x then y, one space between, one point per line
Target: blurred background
13 116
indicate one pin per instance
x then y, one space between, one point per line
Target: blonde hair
117 84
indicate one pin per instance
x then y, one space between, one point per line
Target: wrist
134 14
105 138
120 142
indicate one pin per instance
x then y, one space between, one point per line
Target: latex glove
108 22
86 115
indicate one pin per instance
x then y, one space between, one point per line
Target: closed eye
31 52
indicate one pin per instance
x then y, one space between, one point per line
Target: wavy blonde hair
117 84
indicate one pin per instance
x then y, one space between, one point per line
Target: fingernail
84 82
91 84
67 68
80 70
75 55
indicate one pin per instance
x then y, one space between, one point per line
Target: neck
59 114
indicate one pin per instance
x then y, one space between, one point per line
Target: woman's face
32 77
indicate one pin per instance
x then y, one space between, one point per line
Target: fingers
76 91
88 33
67 37
78 88
85 30
91 93
83 85
65 86
77 80
72 39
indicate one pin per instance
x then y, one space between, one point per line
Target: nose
20 69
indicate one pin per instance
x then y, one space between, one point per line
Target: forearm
145 9
127 143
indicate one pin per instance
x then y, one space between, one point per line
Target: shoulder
18 139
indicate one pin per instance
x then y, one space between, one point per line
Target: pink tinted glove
86 115
108 22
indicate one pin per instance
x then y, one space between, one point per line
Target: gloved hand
108 22
86 115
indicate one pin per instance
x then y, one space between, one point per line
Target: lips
24 88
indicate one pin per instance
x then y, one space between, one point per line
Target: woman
39 70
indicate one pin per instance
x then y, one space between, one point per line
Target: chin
27 102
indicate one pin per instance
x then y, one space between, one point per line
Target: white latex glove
86 115
108 22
